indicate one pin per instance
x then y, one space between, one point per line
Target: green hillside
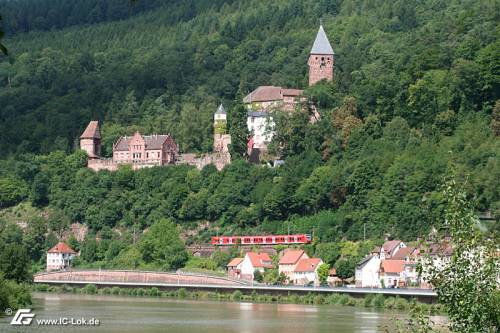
415 99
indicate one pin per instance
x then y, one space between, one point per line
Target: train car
262 240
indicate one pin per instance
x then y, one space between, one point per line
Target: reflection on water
146 315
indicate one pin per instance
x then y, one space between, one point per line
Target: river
146 315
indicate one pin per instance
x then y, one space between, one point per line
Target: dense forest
415 96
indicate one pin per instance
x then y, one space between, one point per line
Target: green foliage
162 246
258 276
13 295
323 273
237 118
14 258
467 284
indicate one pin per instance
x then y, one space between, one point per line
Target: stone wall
220 160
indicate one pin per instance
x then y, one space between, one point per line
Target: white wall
257 126
368 275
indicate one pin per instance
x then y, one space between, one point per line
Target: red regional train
262 240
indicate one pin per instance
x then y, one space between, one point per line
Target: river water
147 315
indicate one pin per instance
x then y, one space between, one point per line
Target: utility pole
364 231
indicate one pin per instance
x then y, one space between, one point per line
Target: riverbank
369 301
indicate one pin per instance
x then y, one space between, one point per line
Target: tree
495 119
3 49
323 273
467 284
345 268
162 246
258 276
237 121
40 190
34 238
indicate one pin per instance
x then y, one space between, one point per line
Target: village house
254 261
288 262
234 268
435 254
306 272
59 257
390 248
333 280
368 272
391 273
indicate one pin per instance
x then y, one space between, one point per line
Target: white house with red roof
368 272
289 260
306 271
59 257
390 248
253 261
234 268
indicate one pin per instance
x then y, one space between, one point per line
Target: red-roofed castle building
59 257
265 99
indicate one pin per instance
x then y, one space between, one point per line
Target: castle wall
220 160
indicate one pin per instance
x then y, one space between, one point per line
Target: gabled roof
393 266
290 257
220 109
390 245
321 44
92 131
264 94
235 262
260 259
270 93
307 265
153 142
403 253
364 261
61 248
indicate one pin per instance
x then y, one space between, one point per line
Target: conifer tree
238 129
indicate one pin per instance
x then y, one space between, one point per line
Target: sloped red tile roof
390 245
235 262
403 253
307 265
291 257
292 92
260 259
61 248
270 93
393 266
92 131
152 142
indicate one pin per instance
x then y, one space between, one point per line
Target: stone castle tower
221 137
90 140
321 59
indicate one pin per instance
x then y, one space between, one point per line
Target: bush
368 300
389 303
115 290
182 293
378 301
401 303
236 296
154 291
106 291
90 289
318 299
